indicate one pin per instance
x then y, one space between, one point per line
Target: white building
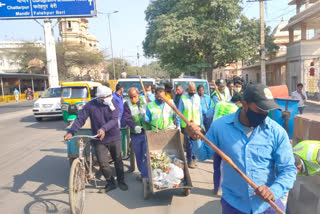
8 61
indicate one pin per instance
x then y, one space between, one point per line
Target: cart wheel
187 191
145 189
77 187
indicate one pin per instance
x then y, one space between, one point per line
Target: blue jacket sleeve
215 100
180 108
114 118
127 117
81 119
147 116
201 116
208 102
284 160
210 114
200 149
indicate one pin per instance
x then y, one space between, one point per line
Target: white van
49 104
134 82
184 82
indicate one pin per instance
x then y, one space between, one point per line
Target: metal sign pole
51 54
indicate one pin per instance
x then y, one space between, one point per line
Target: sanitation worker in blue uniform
258 146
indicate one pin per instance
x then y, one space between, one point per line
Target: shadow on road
50 171
202 191
47 123
213 207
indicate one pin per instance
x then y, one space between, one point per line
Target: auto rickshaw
74 95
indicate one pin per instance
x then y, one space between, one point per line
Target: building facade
227 72
304 54
75 31
276 68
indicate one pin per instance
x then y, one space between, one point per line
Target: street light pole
113 65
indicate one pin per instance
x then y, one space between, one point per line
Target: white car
49 104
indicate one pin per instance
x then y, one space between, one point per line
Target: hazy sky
128 26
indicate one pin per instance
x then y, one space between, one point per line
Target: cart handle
94 137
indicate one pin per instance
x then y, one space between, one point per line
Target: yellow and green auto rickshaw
74 95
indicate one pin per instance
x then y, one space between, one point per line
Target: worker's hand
192 130
101 133
138 129
264 193
67 136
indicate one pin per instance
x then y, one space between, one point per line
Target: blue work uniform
205 106
258 156
151 97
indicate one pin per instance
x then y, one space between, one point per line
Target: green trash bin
124 143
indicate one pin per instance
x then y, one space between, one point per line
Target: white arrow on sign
90 2
2 4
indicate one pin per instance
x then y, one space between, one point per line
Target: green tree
27 52
199 35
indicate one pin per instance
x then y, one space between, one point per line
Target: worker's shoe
217 192
122 185
111 185
195 162
192 165
139 178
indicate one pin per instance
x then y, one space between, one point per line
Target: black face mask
191 94
254 118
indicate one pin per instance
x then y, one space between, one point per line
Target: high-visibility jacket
224 108
136 115
224 96
309 152
161 118
191 110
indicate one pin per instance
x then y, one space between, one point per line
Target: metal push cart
169 141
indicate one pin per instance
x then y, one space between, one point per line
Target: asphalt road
35 170
16 106
312 108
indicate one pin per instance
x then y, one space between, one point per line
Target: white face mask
237 90
107 101
149 92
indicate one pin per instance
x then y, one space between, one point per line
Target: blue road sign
38 9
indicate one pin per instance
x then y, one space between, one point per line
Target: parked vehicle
49 104
184 82
74 95
134 82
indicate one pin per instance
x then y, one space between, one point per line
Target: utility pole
262 43
110 35
262 46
